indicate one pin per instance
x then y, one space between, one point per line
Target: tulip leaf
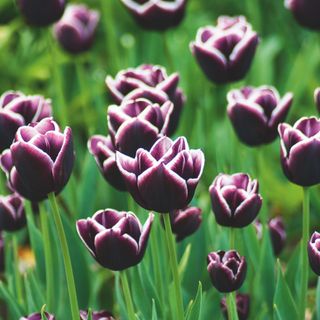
154 311
11 301
194 312
293 272
184 261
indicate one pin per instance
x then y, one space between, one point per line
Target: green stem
127 295
305 238
18 280
167 52
174 266
232 306
3 181
232 237
66 258
47 256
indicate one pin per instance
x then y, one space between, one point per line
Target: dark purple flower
12 214
75 31
102 149
314 252
40 160
317 98
277 234
37 316
16 110
227 270
138 124
150 82
41 13
2 256
96 315
185 222
306 12
300 151
255 113
243 306
235 199
156 15
164 178
115 239
225 52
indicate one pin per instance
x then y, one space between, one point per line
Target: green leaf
184 261
11 302
194 311
154 311
293 272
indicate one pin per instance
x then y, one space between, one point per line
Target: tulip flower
75 31
40 160
235 199
138 124
104 153
96 315
41 13
255 113
277 234
2 256
306 12
150 82
156 15
227 270
37 316
317 98
314 252
12 214
225 52
300 150
164 178
115 239
243 306
16 110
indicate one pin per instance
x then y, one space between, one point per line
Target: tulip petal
145 235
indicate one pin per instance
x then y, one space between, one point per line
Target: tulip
96 315
225 52
138 124
306 12
115 239
150 82
227 270
300 151
16 110
164 178
277 234
317 98
255 113
37 316
243 306
156 15
314 252
76 30
235 199
104 153
40 160
41 13
2 256
12 214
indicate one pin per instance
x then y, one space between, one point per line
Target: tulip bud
156 15
16 110
235 199
41 13
40 160
115 239
243 306
255 113
164 178
138 124
2 263
104 153
277 234
75 31
314 252
225 52
37 316
96 315
317 98
12 214
227 270
300 151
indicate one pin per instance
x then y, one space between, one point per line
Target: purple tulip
40 160
255 113
2 255
150 82
235 199
227 270
115 239
317 98
76 30
300 151
12 214
37 316
41 13
16 110
314 252
104 153
164 178
138 124
225 52
277 234
185 222
156 15
96 315
243 306
306 12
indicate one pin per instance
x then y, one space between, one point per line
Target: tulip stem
66 257
47 255
17 275
305 236
127 295
174 265
232 237
232 307
167 52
